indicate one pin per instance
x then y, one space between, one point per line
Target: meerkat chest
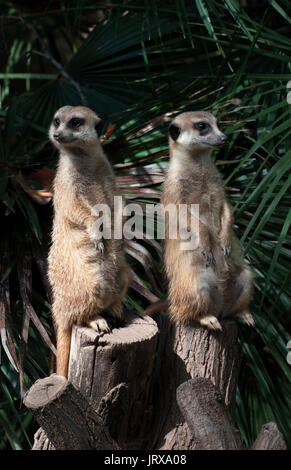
204 192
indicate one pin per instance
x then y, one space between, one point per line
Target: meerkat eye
56 122
201 126
75 122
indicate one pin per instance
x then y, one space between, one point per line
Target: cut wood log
206 415
113 373
186 352
177 393
65 415
270 438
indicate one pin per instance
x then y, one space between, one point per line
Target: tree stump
186 352
113 373
172 389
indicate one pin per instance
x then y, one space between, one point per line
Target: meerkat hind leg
115 317
209 298
115 309
99 324
242 294
210 321
245 317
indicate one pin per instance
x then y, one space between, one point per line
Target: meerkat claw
211 322
226 250
99 246
246 318
100 325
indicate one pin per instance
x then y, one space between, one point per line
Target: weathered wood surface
270 438
186 352
113 373
172 388
66 416
41 441
206 415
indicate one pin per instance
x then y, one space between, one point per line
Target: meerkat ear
174 131
99 127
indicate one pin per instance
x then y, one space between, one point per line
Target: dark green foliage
141 64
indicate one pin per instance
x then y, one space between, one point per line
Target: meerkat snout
223 139
196 130
75 126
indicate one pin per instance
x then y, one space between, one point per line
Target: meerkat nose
223 138
57 135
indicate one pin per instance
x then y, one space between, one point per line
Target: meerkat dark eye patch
99 127
174 131
56 122
202 126
75 122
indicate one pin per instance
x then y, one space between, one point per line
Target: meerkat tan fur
88 273
211 280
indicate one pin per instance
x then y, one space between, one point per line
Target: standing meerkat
88 273
210 280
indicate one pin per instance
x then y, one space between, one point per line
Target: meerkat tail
63 350
156 307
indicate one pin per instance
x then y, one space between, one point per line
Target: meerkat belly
207 214
75 262
206 227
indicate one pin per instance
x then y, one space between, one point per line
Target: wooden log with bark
146 386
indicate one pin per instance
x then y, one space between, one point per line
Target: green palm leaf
141 66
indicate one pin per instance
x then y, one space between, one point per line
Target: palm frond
141 66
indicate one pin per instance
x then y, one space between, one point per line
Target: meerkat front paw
211 322
100 325
97 239
226 250
225 245
99 246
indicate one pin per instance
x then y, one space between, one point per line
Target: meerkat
211 280
88 273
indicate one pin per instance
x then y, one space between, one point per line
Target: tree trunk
144 390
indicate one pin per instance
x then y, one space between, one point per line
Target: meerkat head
196 131
75 126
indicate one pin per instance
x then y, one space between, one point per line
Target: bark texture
68 419
206 415
186 352
146 386
270 438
